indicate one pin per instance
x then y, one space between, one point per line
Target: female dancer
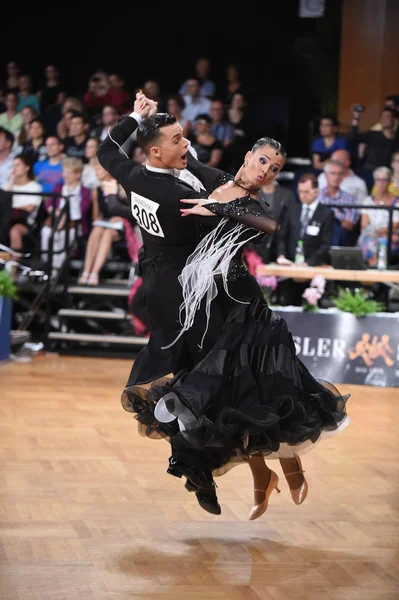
250 396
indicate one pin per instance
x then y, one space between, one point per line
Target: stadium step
93 314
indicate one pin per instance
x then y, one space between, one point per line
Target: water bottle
299 255
382 254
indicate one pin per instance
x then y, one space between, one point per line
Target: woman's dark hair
266 141
26 158
149 129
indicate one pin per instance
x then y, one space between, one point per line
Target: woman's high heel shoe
300 493
259 509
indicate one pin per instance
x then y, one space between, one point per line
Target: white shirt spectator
5 170
379 219
89 177
194 108
351 184
75 199
19 201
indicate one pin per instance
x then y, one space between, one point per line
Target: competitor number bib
145 213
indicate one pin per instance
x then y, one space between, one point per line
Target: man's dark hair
8 135
329 117
266 141
309 177
149 130
79 115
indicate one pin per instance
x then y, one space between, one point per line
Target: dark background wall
280 54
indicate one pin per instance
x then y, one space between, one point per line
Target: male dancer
168 240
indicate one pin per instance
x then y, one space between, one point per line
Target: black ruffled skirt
249 394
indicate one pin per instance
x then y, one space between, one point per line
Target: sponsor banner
341 348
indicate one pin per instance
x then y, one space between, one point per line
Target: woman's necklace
251 191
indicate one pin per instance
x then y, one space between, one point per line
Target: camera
358 108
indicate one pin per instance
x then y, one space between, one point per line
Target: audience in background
328 141
345 219
58 134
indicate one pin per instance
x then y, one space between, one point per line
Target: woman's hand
198 209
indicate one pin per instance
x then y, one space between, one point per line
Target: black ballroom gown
249 392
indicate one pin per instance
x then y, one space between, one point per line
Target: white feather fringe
211 257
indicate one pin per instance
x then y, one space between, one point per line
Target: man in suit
168 240
311 222
276 200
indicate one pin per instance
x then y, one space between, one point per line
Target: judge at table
311 222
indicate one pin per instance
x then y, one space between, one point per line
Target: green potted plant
8 293
356 302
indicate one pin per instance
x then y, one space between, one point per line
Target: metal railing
49 282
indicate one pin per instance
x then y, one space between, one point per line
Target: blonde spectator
374 223
80 210
393 187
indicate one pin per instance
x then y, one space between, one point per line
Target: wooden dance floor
88 512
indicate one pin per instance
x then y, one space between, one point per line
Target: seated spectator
195 103
97 96
48 172
345 219
311 222
393 187
6 156
28 114
374 223
109 118
393 103
63 120
239 115
53 90
209 150
328 142
152 90
13 72
35 146
232 85
276 200
89 177
352 184
80 210
175 106
25 96
202 70
11 119
375 148
107 228
24 208
221 128
122 100
75 143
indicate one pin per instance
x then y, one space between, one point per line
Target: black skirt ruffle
249 394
